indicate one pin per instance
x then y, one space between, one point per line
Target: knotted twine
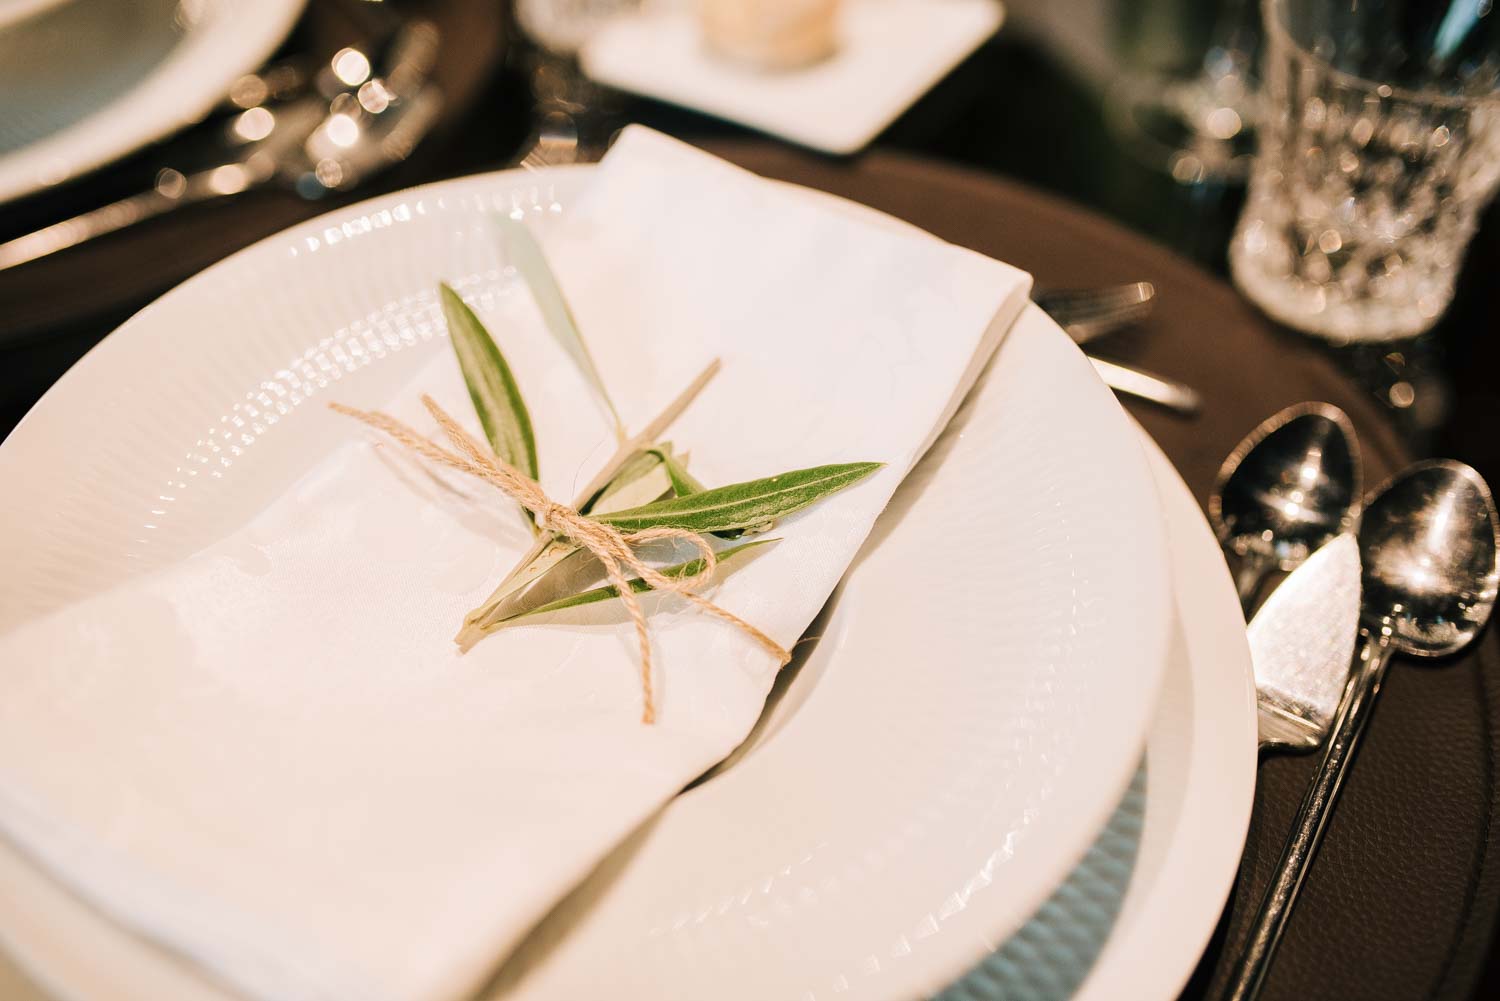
614 549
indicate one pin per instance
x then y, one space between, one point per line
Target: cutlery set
1410 569
1414 574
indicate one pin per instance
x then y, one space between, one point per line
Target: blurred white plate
92 80
948 752
891 53
16 11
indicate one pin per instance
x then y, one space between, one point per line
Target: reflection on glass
254 123
351 66
1197 125
374 96
342 131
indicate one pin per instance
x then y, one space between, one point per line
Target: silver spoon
1285 491
1428 546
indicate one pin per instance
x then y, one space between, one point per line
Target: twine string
615 550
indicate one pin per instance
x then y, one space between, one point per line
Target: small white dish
93 80
891 52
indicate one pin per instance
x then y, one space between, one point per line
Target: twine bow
613 548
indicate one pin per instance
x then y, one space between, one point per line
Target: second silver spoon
1286 490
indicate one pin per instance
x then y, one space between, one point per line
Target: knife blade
1175 396
1302 646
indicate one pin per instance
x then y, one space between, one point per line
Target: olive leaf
742 505
492 387
728 561
641 479
526 254
683 482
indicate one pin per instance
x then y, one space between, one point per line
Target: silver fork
1088 313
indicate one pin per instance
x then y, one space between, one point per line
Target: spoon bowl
1428 546
1289 488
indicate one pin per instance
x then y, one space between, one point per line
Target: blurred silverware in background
308 143
1088 313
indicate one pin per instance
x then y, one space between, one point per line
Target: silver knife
1088 313
1169 393
1301 645
1302 651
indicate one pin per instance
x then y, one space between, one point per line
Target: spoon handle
1312 819
1252 574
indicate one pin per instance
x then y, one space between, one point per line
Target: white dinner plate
1132 918
947 753
89 81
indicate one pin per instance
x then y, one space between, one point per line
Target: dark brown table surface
1401 903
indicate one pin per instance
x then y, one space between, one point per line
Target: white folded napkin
272 759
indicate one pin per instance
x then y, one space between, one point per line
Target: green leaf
547 556
492 387
742 505
728 561
683 482
526 254
642 479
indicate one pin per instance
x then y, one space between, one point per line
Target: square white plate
891 53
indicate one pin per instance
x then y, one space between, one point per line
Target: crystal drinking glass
1379 145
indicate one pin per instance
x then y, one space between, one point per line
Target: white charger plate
92 80
1132 919
1201 766
914 797
891 52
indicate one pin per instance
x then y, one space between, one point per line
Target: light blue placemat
1048 958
